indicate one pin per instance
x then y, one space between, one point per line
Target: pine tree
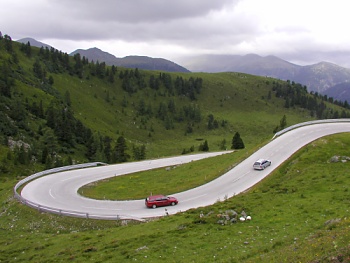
237 142
204 147
107 148
120 148
283 122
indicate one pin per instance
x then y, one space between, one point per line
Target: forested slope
57 110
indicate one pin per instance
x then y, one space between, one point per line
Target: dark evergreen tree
21 155
162 111
49 143
139 152
154 82
44 155
49 162
204 147
283 122
51 80
6 80
69 161
141 107
120 155
78 67
171 106
38 70
25 48
7 126
107 148
237 142
8 43
114 69
110 75
210 124
92 146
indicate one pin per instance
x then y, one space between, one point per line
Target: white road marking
241 177
50 192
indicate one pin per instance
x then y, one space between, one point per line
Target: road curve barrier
295 126
42 208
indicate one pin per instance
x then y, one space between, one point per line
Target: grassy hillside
68 109
299 214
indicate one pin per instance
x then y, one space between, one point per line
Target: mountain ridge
96 54
318 77
33 42
141 62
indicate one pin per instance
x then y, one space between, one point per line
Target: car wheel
173 203
154 206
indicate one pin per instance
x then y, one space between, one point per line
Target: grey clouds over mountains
302 32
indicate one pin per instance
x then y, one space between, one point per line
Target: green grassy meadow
300 213
238 98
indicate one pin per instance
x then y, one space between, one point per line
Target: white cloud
169 29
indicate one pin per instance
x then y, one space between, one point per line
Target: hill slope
67 109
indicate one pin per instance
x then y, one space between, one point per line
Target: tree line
296 94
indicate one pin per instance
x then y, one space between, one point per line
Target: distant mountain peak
252 55
140 62
33 42
317 77
95 54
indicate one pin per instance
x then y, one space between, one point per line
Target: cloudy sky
300 31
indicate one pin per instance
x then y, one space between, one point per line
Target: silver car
261 164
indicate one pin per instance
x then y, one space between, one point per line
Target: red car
160 200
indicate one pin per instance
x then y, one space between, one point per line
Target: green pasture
300 213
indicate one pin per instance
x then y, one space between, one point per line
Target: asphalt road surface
59 190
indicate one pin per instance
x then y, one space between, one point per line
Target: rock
334 159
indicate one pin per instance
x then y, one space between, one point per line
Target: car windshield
256 163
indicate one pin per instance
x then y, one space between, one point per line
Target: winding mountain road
59 191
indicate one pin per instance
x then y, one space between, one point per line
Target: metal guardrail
61 211
51 171
78 214
308 123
